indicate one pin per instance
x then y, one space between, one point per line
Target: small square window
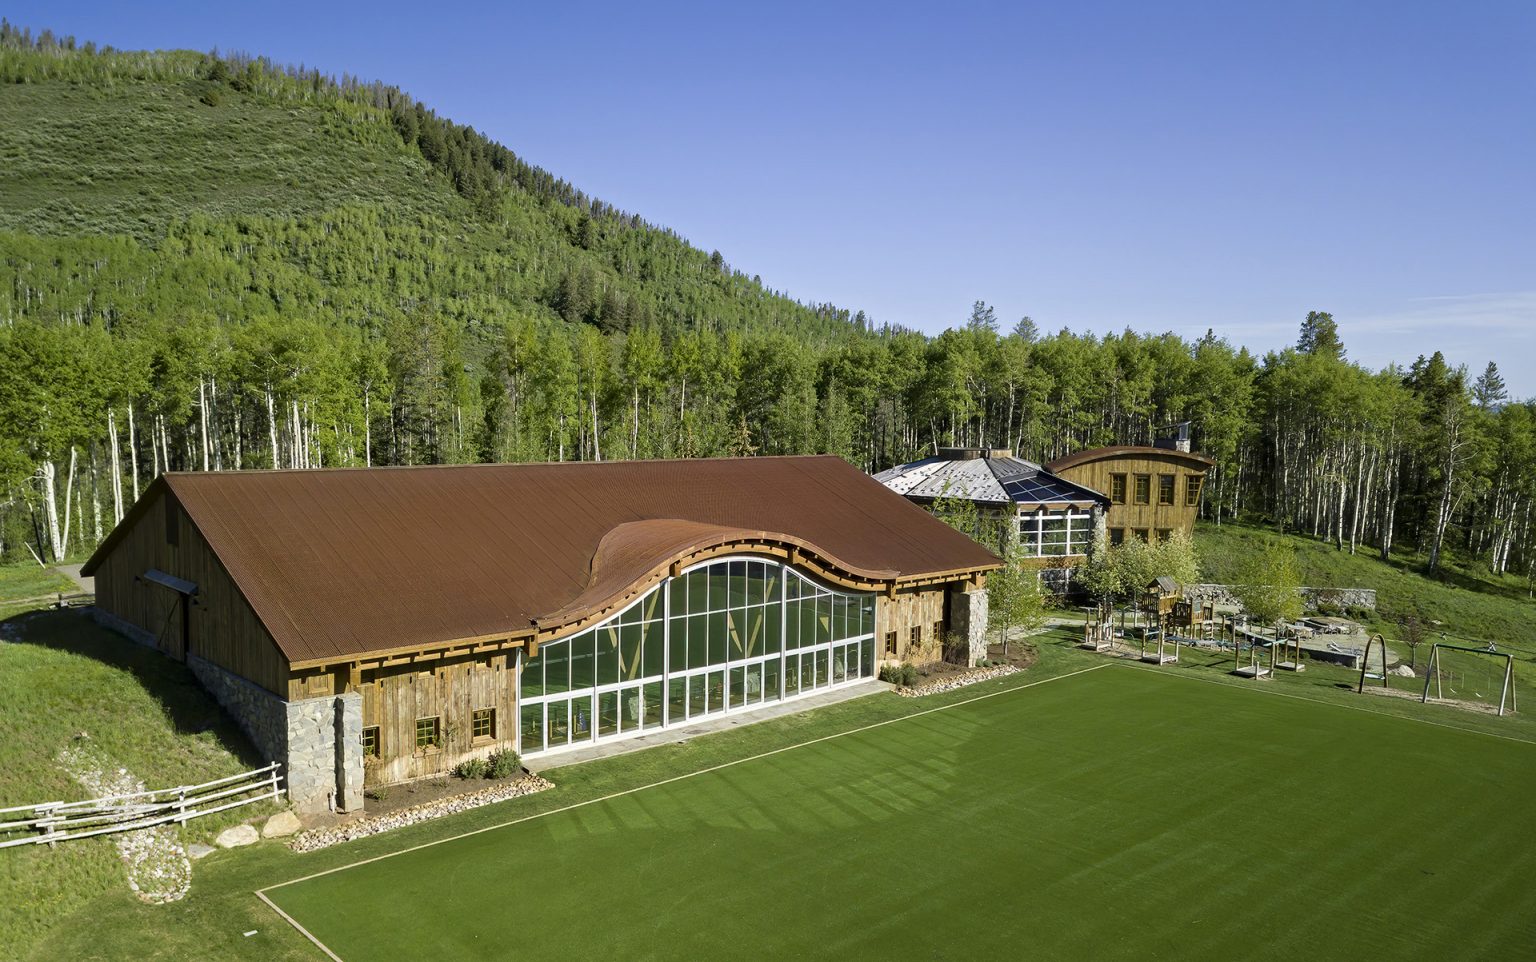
1116 536
1143 489
1165 489
371 741
1163 534
1117 488
1141 533
483 723
429 733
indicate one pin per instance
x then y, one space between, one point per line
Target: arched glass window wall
723 636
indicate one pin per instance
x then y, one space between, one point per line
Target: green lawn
65 676
1118 813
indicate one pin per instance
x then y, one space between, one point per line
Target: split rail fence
52 822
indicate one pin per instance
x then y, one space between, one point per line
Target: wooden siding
1152 516
220 625
909 609
451 691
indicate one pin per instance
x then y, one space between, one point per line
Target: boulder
237 836
198 850
281 825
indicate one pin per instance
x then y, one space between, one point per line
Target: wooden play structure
1289 656
1098 631
1154 647
1505 677
1375 642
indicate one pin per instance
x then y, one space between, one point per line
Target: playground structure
1505 678
1159 654
1375 642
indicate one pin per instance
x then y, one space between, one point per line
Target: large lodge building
368 626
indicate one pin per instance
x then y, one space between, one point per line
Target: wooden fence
53 822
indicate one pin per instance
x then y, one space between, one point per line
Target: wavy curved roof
1090 455
343 562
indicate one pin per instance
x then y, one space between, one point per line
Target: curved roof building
446 612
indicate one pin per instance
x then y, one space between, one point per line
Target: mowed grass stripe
1118 814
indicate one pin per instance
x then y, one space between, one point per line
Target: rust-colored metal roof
1127 451
343 562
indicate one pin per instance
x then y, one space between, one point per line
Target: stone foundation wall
1342 599
318 740
127 629
968 619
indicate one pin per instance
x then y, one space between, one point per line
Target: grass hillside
60 676
260 158
1463 603
129 159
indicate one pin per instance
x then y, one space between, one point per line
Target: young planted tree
1271 585
1015 600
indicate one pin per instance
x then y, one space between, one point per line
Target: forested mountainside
212 262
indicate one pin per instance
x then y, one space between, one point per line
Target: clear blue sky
1094 165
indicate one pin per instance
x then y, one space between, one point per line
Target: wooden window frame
915 638
1142 533
1117 487
487 715
371 740
890 643
1192 485
1116 536
434 738
1163 534
938 631
1143 489
1167 489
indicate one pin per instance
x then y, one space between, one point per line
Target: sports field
1118 812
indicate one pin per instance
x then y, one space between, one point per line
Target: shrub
472 768
904 674
504 764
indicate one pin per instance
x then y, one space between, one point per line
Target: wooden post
1509 668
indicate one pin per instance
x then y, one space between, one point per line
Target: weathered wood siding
1152 516
920 608
221 627
451 691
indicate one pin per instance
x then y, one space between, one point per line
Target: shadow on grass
190 709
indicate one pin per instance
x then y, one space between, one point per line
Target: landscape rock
1403 671
281 825
237 836
372 825
198 850
952 682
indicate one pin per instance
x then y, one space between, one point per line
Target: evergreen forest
209 261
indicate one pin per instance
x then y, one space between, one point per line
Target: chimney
1174 437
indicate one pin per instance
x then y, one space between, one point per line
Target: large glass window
726 635
1052 534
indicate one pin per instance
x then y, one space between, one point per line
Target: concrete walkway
673 736
72 572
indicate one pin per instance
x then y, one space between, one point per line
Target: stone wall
968 619
1342 599
127 629
318 740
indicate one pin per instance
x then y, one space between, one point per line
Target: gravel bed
958 681
318 838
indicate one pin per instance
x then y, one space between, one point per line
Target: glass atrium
724 636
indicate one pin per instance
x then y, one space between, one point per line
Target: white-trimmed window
1056 534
